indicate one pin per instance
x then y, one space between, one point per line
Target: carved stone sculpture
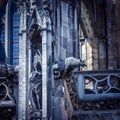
62 69
36 89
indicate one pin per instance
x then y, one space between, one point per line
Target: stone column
101 34
23 75
46 68
50 82
44 71
57 31
116 31
64 31
102 54
110 43
76 30
89 57
95 54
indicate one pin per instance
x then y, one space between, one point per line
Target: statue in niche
35 38
36 89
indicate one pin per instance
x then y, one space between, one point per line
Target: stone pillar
116 31
46 68
101 34
29 59
110 42
58 31
49 68
44 71
64 30
95 53
71 27
76 29
23 74
59 101
102 54
89 57
47 75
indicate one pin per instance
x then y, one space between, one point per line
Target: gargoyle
62 69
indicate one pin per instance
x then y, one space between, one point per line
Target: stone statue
36 88
63 68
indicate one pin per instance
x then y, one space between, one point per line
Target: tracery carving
104 97
7 98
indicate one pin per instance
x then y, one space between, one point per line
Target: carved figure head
37 66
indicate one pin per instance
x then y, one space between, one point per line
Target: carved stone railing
7 91
98 85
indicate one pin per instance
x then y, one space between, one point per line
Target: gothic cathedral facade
59 60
